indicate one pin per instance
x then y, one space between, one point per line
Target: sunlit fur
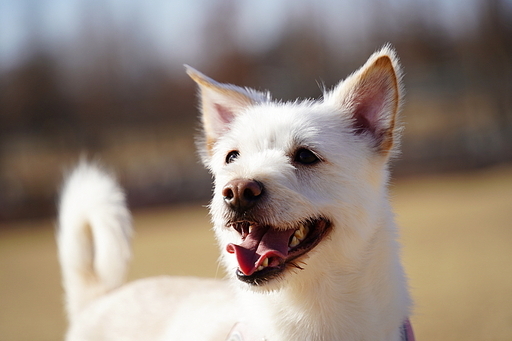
350 286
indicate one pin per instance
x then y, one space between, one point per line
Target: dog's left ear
220 104
372 96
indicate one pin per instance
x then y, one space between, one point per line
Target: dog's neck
336 303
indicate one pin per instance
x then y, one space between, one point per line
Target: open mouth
265 252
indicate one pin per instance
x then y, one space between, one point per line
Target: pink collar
240 332
407 333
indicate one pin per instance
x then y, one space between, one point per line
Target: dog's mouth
265 252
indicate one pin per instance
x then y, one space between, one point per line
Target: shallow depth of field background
105 80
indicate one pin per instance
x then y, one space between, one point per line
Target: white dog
301 214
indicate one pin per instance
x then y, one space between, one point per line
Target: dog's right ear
220 104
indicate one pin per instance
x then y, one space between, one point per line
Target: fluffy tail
93 237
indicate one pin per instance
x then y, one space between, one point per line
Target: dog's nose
242 194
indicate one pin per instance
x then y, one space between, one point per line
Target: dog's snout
242 194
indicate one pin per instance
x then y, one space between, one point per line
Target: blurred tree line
105 97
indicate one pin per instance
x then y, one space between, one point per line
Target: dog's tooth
301 232
294 242
263 265
298 234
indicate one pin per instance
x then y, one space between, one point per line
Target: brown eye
232 156
305 157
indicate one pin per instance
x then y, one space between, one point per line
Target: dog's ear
220 104
372 96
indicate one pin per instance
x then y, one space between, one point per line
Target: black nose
242 194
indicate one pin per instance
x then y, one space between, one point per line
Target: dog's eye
306 157
232 156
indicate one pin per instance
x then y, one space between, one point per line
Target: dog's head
295 180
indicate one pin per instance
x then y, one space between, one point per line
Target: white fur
351 285
93 237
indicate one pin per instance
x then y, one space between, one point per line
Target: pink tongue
263 242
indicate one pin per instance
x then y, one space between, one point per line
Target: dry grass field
456 231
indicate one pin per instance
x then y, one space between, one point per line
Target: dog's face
294 181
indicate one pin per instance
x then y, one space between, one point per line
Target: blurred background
104 79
